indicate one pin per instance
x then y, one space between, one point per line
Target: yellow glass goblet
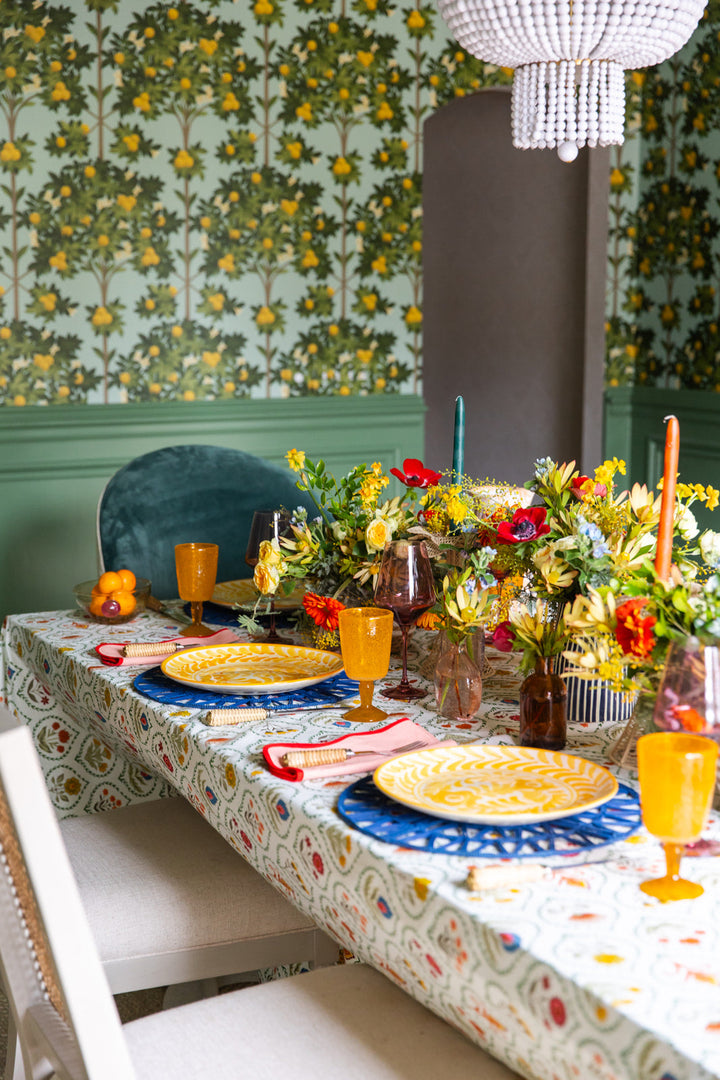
365 640
677 780
196 567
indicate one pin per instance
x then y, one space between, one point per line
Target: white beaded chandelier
569 56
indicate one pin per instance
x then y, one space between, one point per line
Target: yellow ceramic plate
243 591
495 785
251 669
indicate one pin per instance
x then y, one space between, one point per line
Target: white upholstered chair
346 1021
169 902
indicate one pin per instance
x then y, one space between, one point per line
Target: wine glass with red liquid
405 585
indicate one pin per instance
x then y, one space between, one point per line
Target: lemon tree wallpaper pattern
667 332
211 200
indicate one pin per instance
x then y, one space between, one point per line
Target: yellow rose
269 553
378 534
266 578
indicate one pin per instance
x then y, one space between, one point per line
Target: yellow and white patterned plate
243 591
251 669
495 785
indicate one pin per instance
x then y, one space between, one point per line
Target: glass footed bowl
84 598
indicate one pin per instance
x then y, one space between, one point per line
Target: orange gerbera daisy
323 610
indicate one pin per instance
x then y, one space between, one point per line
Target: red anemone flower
323 610
416 475
634 629
527 524
580 487
503 637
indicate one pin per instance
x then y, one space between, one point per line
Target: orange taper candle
663 556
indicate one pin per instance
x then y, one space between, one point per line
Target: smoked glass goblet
677 781
267 525
405 585
196 567
365 641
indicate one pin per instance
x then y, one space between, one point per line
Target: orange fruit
96 591
95 605
125 599
109 582
128 580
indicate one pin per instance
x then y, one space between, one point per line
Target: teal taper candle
459 439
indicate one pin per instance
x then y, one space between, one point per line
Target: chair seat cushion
154 877
346 1021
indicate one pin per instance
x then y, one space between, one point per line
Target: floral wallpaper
664 313
216 200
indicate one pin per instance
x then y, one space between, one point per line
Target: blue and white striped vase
593 701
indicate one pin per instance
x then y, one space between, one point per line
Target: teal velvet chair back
185 493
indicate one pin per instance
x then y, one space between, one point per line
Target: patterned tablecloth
576 977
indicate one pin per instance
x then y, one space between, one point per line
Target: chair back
184 493
63 1011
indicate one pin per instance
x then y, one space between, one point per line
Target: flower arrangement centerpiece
658 616
627 635
581 532
337 553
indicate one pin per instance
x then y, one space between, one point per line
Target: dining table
572 974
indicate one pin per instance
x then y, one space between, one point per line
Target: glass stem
366 693
673 855
404 681
196 610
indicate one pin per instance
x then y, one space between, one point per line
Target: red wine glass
405 585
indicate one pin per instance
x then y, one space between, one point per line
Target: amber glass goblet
405 585
365 641
677 780
267 525
196 567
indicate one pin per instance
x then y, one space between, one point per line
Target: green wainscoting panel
55 461
634 431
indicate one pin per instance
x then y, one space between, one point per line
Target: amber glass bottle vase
543 697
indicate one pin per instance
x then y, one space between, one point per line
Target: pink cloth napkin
384 740
111 652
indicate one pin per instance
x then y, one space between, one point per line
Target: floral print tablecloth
576 977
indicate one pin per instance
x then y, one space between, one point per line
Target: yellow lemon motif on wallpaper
495 784
252 668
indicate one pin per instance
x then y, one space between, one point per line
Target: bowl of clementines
114 597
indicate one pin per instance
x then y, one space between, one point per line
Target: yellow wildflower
295 459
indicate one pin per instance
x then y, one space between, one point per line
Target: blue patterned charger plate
365 807
153 684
